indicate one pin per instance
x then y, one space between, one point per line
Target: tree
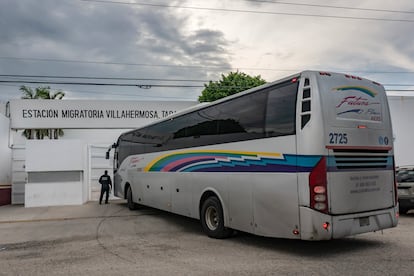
41 93
231 84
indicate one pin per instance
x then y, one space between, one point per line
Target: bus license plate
364 221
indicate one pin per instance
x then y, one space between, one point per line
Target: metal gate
19 174
97 164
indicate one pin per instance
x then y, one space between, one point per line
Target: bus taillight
318 187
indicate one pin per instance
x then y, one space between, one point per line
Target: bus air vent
351 159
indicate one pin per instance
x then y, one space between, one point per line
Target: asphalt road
117 241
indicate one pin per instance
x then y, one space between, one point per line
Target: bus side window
115 161
242 118
236 120
281 110
306 104
304 120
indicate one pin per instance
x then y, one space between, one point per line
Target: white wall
3 106
5 152
54 194
54 155
94 136
402 117
31 157
55 171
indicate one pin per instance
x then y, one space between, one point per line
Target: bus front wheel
212 219
131 204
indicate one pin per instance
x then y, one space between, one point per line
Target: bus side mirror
114 145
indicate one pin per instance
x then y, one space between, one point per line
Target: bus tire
131 204
212 219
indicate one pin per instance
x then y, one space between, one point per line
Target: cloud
83 31
183 43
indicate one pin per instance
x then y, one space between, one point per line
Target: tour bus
307 157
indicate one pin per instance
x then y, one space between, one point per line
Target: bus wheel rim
212 219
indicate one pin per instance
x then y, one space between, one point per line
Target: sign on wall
64 114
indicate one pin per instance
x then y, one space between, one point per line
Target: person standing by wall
106 185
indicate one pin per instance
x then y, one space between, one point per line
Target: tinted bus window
281 110
243 116
197 124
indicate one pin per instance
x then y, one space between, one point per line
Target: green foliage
41 93
231 84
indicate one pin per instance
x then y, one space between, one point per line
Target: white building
5 157
402 117
65 171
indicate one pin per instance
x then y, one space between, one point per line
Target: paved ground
18 213
109 239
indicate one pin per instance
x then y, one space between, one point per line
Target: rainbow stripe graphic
361 89
232 161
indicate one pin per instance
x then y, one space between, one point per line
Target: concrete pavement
93 239
91 209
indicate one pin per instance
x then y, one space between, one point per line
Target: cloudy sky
166 50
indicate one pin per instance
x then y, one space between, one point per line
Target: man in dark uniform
106 183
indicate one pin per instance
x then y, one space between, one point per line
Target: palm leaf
42 92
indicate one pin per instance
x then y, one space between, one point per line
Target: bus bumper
319 226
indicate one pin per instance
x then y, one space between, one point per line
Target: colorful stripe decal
232 161
362 89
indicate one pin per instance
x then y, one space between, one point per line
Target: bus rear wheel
130 203
212 219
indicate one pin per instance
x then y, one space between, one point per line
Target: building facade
65 171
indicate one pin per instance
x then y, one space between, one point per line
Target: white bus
306 157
